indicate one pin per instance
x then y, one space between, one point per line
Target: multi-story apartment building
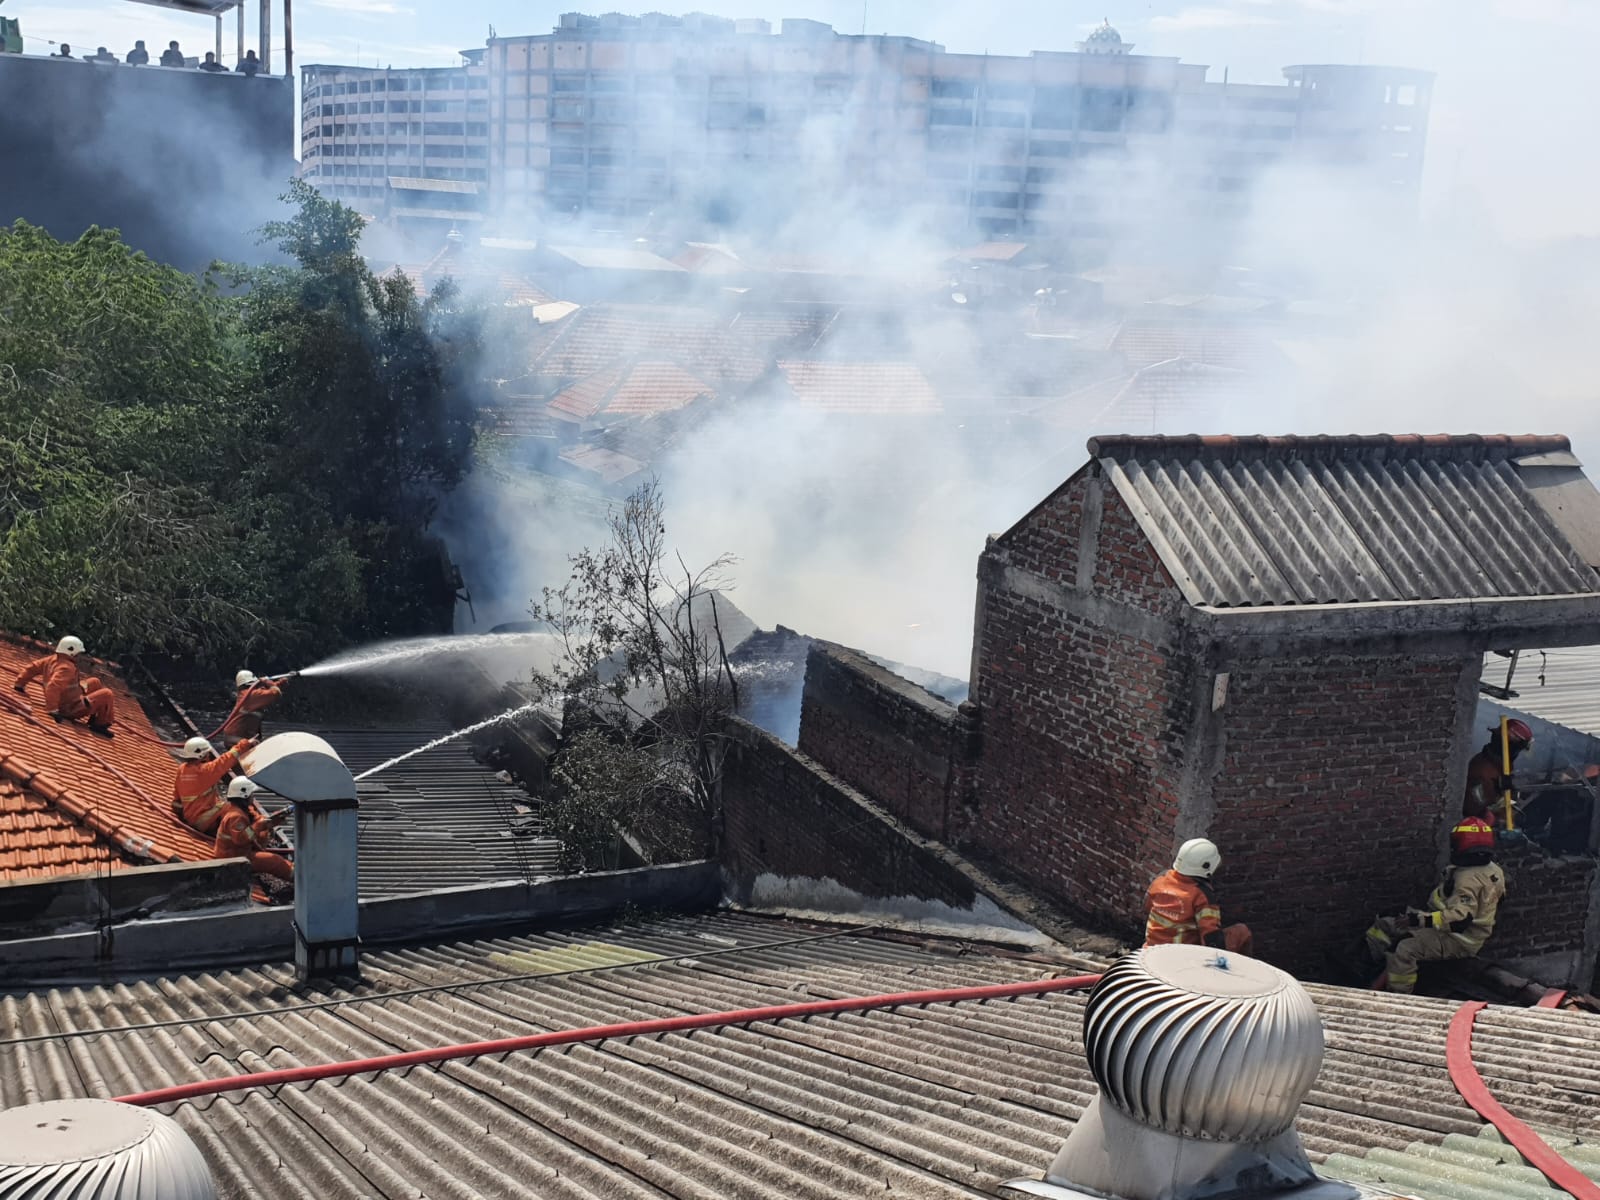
360 127
729 121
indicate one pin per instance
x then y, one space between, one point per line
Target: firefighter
67 695
197 794
242 834
1179 908
254 696
1460 913
1486 777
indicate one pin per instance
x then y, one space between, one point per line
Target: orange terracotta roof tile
586 397
653 387
78 801
860 387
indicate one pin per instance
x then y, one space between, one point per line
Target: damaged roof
647 386
71 801
1152 396
1328 520
1244 346
861 388
936 1102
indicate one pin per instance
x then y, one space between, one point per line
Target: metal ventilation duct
98 1150
1202 1058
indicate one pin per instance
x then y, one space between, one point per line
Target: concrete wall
267 934
898 743
61 902
184 163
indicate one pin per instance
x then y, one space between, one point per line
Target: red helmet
1472 833
1517 731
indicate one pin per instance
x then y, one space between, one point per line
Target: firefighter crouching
1179 907
243 834
1460 914
67 695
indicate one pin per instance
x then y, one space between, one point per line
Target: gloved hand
1417 919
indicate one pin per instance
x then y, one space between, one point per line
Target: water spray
417 651
512 714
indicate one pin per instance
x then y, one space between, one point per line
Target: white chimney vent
98 1150
1203 1058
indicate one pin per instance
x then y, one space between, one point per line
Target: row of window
343 171
471 129
384 150
453 82
395 106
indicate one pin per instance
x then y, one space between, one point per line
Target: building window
950 116
953 89
567 83
1000 119
1050 149
1101 109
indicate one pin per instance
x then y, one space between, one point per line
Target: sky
1509 137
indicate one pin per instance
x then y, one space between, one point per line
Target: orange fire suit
1178 910
1483 786
239 837
65 692
245 720
197 792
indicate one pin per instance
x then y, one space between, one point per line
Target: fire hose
217 732
1464 1074
600 1033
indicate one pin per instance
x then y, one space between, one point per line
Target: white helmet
196 748
1198 857
69 645
244 679
242 789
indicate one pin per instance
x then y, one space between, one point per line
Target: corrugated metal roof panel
937 1102
1272 525
1560 686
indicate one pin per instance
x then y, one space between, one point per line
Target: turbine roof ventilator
98 1150
1202 1059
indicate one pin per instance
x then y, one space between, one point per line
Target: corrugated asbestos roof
70 801
1285 521
439 820
1560 686
940 1101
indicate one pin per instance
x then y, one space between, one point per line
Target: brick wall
896 742
1547 905
1084 727
1329 796
784 815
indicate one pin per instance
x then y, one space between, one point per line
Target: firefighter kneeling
240 836
1459 917
1179 907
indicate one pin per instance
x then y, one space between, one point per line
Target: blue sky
1511 133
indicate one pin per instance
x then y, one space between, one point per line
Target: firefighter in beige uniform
1460 913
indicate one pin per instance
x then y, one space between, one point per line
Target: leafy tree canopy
213 473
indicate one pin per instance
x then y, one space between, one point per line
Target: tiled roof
860 387
643 387
1247 347
608 466
604 335
991 252
936 1102
1152 397
709 258
1323 520
614 258
61 787
521 417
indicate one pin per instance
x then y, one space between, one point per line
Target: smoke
865 527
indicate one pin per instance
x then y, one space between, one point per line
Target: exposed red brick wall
891 739
784 815
1084 728
1546 904
1328 799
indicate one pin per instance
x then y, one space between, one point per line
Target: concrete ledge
64 903
263 935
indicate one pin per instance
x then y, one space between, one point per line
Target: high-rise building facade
361 126
731 122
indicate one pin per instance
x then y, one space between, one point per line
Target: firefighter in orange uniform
1179 908
255 696
67 695
241 834
197 794
1460 914
1486 785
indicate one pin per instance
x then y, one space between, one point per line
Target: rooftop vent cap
1203 1058
98 1148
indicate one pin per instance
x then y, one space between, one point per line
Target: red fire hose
598 1033
1464 1074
